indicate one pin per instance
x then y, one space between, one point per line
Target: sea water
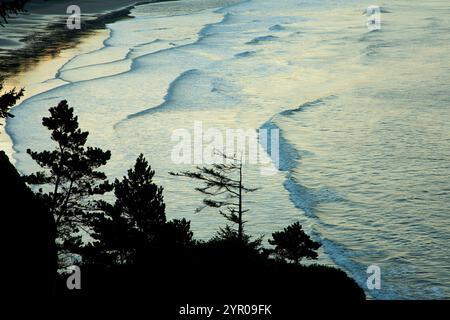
363 116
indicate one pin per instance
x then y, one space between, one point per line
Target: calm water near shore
363 119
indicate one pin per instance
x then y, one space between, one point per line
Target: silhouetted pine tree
70 177
294 244
175 234
224 188
7 100
136 222
141 199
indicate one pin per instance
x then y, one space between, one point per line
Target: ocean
363 116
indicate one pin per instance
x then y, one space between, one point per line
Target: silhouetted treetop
27 237
136 223
138 197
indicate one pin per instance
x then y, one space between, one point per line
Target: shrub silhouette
10 7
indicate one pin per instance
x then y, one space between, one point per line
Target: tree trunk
240 203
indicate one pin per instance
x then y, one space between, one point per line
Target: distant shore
46 33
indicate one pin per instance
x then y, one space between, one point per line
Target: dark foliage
139 199
209 273
228 239
8 7
224 189
70 177
135 224
293 244
8 100
176 234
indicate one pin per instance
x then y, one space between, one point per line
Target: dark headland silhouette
135 247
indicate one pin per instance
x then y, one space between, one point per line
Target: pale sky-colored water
363 118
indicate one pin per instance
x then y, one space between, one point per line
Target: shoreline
46 51
38 78
55 37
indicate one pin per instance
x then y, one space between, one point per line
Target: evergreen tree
136 222
294 244
224 189
140 199
70 176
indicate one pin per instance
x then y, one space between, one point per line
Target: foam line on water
201 35
305 198
167 98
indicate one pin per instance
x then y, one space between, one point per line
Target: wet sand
41 43
42 31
